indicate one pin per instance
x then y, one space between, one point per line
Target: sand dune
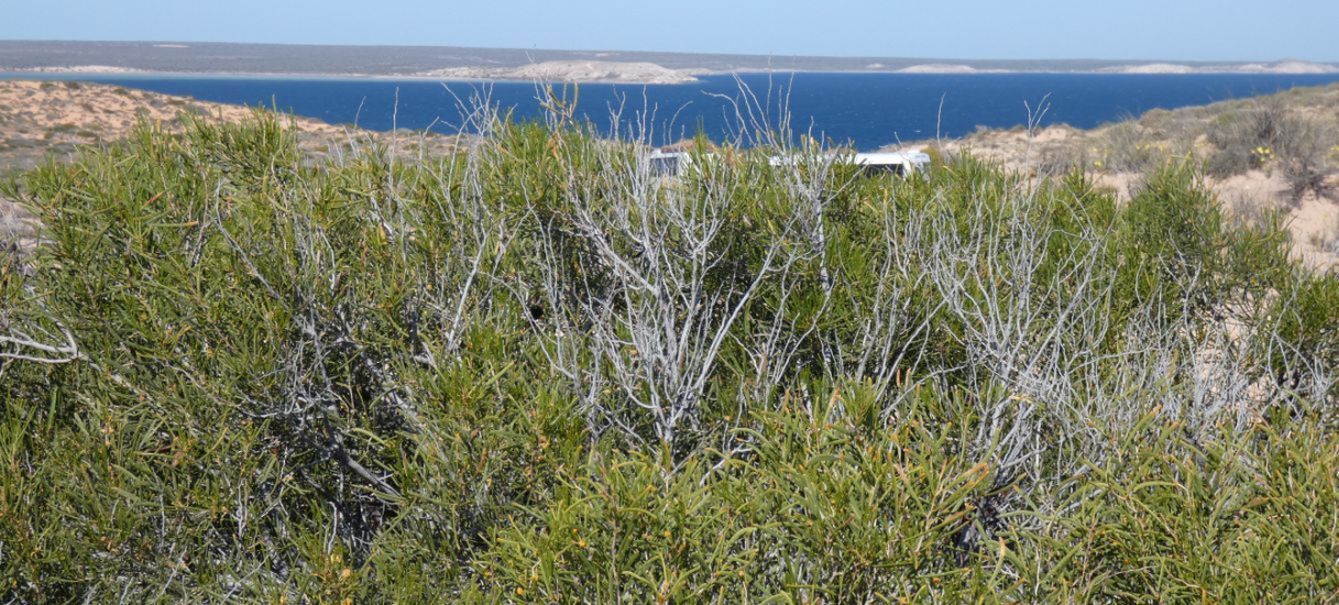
1281 67
571 71
1151 68
1289 67
78 69
939 68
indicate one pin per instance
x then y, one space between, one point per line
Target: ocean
866 110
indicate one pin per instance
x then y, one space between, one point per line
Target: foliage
1268 135
536 371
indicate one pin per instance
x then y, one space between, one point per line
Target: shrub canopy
535 371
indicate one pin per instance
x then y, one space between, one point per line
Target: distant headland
460 63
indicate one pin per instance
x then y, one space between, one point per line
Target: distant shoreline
20 74
76 72
191 59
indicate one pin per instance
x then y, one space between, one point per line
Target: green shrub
1182 520
533 371
1305 334
828 508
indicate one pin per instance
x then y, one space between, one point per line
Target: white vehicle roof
908 160
903 158
913 159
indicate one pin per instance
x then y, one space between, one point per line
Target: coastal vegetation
1272 156
40 119
532 369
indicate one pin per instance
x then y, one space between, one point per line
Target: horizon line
1334 62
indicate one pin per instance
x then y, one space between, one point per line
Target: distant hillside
430 61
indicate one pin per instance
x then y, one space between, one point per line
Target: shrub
1175 518
1129 149
1304 156
1063 159
1303 346
1247 140
1268 134
533 370
829 510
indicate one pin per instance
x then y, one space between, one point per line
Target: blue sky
985 29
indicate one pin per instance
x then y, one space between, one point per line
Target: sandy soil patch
40 119
16 226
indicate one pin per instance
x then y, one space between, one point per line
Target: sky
1186 30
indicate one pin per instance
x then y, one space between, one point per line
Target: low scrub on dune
1293 134
538 371
1267 136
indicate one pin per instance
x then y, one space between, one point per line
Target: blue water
868 110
